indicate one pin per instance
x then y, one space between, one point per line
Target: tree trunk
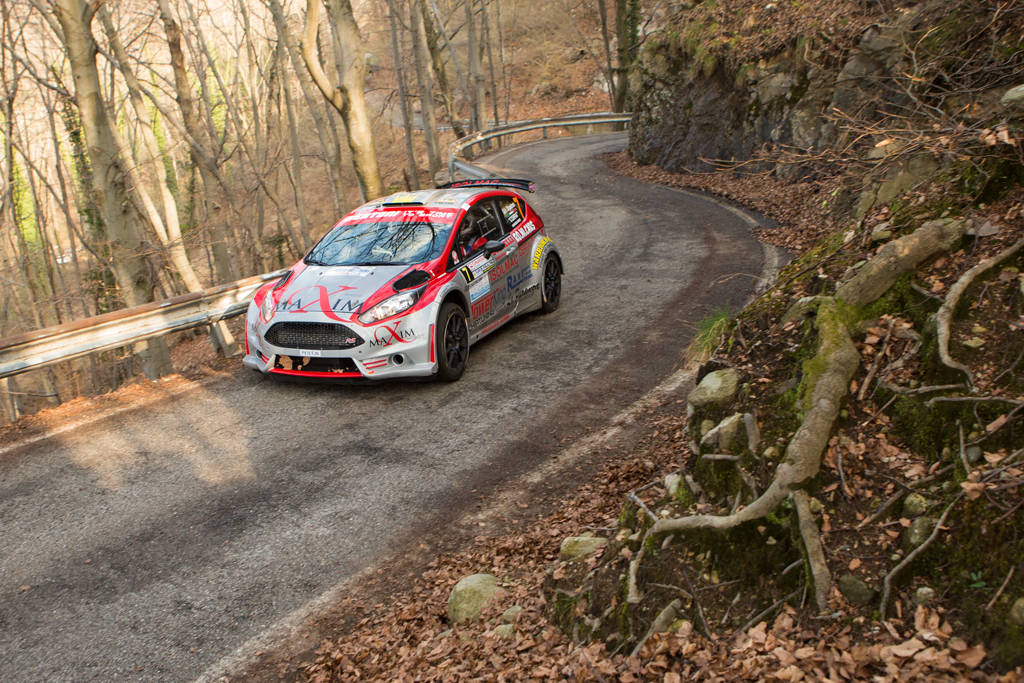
505 80
197 134
349 96
434 48
607 69
296 166
488 43
403 95
426 86
478 96
333 162
627 16
120 217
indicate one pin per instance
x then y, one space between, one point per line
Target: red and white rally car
404 285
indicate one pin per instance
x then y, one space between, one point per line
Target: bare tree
435 36
627 26
489 44
426 86
199 137
403 95
475 86
328 143
348 97
121 219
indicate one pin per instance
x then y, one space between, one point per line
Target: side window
486 220
490 224
470 237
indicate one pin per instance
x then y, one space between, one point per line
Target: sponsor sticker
386 335
352 271
538 253
504 267
482 307
512 214
480 265
301 300
479 288
517 279
522 232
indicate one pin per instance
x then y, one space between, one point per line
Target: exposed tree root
945 315
911 556
827 378
898 257
661 623
815 554
839 359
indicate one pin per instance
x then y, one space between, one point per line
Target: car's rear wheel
452 342
551 286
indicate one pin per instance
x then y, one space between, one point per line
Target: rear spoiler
517 183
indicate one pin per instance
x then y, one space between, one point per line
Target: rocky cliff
739 81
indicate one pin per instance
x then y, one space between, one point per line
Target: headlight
267 306
391 306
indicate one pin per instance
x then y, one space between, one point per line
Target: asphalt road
149 545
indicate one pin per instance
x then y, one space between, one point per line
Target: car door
485 273
517 235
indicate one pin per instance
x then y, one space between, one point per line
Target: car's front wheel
551 285
452 342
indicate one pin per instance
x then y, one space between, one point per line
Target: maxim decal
386 335
301 300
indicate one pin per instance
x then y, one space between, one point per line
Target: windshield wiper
374 263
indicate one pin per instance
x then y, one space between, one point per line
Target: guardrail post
9 400
223 340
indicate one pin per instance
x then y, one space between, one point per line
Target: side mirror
493 246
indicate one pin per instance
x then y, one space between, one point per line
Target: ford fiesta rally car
404 285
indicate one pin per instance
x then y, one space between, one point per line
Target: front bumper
402 348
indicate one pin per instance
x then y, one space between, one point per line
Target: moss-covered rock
855 589
716 389
470 595
577 548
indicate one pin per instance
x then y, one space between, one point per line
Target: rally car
403 286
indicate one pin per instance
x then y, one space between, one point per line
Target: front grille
316 364
318 336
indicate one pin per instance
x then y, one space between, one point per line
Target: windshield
394 239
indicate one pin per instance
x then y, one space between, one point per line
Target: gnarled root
815 554
945 315
839 358
898 257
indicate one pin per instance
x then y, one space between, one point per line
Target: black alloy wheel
452 342
551 287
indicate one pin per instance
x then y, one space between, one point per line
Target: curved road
150 545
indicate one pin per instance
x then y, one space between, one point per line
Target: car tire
452 342
550 285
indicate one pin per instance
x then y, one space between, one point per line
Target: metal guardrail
459 147
40 348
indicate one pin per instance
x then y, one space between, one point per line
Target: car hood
331 292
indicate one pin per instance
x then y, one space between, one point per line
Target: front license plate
311 354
